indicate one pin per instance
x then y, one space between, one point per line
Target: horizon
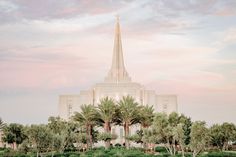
55 47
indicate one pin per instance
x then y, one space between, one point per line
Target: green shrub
2 148
186 154
160 149
117 145
163 155
220 154
65 154
99 148
14 154
73 155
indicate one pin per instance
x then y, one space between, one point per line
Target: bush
220 154
118 145
73 155
65 154
160 149
14 153
116 152
2 148
99 148
185 154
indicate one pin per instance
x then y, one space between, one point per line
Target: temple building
117 84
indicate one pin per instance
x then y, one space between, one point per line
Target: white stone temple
117 84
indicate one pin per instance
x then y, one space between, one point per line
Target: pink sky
54 47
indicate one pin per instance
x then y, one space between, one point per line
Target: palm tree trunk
126 128
173 145
107 129
144 143
90 136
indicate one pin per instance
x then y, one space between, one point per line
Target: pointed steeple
117 72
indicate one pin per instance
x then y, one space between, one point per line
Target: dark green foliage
220 154
117 152
66 154
14 133
160 149
187 127
11 153
164 155
118 145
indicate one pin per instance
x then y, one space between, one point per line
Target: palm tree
129 115
87 118
1 124
146 116
107 114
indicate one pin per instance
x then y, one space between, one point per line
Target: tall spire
117 72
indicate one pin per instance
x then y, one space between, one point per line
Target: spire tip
117 18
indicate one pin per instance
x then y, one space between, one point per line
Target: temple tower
117 73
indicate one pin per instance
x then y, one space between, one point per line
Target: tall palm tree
146 116
87 118
107 115
1 124
128 109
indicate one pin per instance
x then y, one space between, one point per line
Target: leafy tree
14 134
229 132
173 121
180 137
87 118
25 146
107 115
199 137
217 136
168 130
41 138
63 133
222 135
187 123
56 124
150 137
128 115
163 131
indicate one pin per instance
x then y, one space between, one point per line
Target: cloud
16 10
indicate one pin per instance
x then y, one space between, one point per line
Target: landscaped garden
159 134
